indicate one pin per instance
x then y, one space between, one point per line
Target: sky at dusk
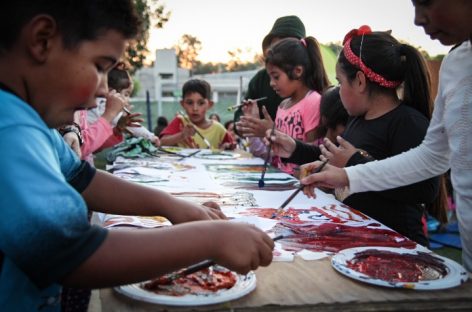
224 25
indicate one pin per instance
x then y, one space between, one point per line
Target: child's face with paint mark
73 78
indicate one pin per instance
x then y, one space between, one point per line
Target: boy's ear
39 34
210 104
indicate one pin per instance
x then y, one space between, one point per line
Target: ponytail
417 81
317 78
291 52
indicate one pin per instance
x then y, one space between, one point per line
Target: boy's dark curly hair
77 20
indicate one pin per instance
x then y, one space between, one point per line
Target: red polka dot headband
357 60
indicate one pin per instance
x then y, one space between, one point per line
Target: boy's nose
102 88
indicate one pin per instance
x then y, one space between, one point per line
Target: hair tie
303 41
357 60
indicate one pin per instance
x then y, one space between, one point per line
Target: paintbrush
178 154
266 161
292 196
203 265
126 110
232 108
196 131
171 152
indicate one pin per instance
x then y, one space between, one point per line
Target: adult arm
429 159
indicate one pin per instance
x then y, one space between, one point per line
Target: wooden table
314 286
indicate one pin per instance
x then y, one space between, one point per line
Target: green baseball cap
285 26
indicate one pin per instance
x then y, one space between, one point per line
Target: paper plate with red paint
181 294
399 268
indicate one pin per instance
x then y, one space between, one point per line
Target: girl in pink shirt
296 72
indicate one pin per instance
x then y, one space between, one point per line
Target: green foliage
438 57
208 68
136 87
153 15
236 62
187 51
336 47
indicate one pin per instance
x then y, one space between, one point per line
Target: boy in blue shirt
54 59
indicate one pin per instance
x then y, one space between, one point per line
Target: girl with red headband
448 143
372 69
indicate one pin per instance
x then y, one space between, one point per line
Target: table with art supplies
327 256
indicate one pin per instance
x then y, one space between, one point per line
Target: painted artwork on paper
217 155
333 237
247 177
223 199
334 213
134 221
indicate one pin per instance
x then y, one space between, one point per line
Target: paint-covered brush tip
261 183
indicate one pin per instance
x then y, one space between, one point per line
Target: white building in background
164 81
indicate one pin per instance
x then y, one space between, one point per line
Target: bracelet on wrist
74 128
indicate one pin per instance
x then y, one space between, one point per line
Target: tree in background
153 15
187 50
236 62
336 47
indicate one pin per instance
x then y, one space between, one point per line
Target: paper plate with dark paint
399 268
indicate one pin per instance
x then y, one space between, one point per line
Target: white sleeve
429 159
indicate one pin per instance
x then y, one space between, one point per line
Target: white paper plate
243 286
456 273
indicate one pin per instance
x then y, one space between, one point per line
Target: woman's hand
330 177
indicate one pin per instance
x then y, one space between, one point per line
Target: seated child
195 127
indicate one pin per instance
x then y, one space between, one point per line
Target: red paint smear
338 214
355 211
288 215
201 282
328 215
334 237
394 267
